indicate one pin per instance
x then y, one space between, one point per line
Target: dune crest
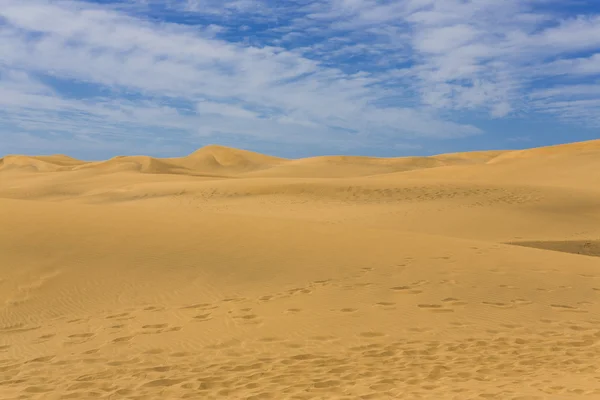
144 164
40 164
223 159
215 160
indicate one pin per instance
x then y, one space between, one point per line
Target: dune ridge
215 157
226 161
232 274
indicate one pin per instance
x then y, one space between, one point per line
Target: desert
229 274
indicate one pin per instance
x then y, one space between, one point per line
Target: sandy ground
233 275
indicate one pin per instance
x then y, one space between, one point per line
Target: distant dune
39 163
229 274
224 158
225 161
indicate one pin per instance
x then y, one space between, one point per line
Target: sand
229 274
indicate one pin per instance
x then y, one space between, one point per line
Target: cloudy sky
294 78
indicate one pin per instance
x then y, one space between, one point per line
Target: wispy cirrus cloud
335 73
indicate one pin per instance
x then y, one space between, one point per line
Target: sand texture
229 274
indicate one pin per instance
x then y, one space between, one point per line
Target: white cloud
500 110
591 89
445 39
226 110
574 66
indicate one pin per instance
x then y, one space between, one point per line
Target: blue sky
295 78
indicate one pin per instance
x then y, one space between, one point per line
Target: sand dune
221 157
39 163
228 274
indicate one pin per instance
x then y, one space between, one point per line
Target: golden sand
229 274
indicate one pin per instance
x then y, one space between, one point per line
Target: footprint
300 290
249 316
294 310
154 308
225 344
120 316
81 335
39 389
437 308
122 339
234 299
406 289
371 334
42 359
159 328
496 304
449 281
118 363
205 306
18 328
44 338
579 328
511 326
348 310
430 305
567 308
203 317
249 319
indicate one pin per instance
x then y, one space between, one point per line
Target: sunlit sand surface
229 274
